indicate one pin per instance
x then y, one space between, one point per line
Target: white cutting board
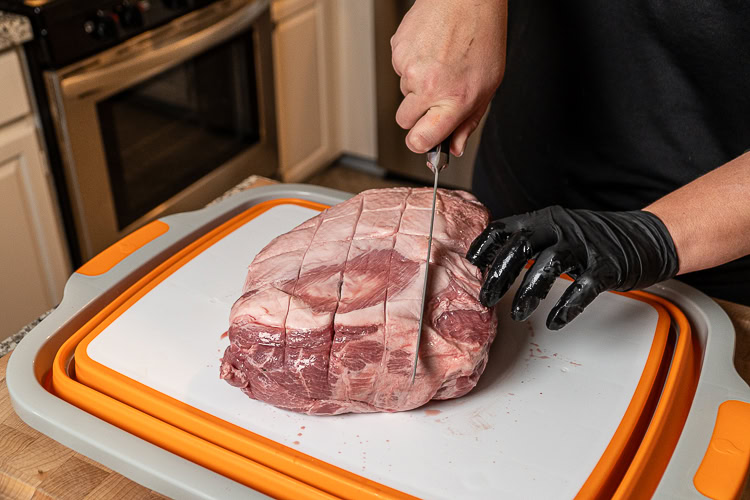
535 426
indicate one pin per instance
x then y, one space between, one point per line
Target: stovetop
66 31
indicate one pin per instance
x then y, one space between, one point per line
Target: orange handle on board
726 464
113 255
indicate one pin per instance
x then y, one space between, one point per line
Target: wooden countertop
35 466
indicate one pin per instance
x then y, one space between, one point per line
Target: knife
437 160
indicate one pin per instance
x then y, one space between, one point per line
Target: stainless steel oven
166 120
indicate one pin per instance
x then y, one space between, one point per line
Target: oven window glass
169 131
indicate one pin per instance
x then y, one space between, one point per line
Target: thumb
432 128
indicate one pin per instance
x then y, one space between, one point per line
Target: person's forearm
709 219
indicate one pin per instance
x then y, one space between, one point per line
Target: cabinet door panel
33 261
301 93
15 102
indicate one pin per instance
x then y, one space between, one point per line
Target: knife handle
439 156
445 146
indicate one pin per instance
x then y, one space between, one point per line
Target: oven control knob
130 16
102 27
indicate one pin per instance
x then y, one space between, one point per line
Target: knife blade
437 160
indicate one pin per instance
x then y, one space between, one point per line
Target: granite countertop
11 342
14 30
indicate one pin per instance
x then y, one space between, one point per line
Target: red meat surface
329 316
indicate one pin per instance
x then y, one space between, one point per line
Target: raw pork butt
329 317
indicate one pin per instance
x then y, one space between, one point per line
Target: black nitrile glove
600 250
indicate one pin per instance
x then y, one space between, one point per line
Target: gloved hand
600 250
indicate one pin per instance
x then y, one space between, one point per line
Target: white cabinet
353 54
33 260
13 101
324 73
303 99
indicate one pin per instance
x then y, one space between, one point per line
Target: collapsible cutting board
596 407
538 423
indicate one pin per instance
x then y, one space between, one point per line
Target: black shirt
610 105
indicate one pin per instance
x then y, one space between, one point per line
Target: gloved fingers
538 280
574 300
484 248
541 230
508 263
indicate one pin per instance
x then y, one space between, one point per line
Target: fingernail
462 148
415 144
516 314
555 324
562 317
523 309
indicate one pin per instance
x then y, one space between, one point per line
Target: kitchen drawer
14 102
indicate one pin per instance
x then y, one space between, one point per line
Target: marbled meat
328 320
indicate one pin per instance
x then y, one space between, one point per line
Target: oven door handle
154 61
